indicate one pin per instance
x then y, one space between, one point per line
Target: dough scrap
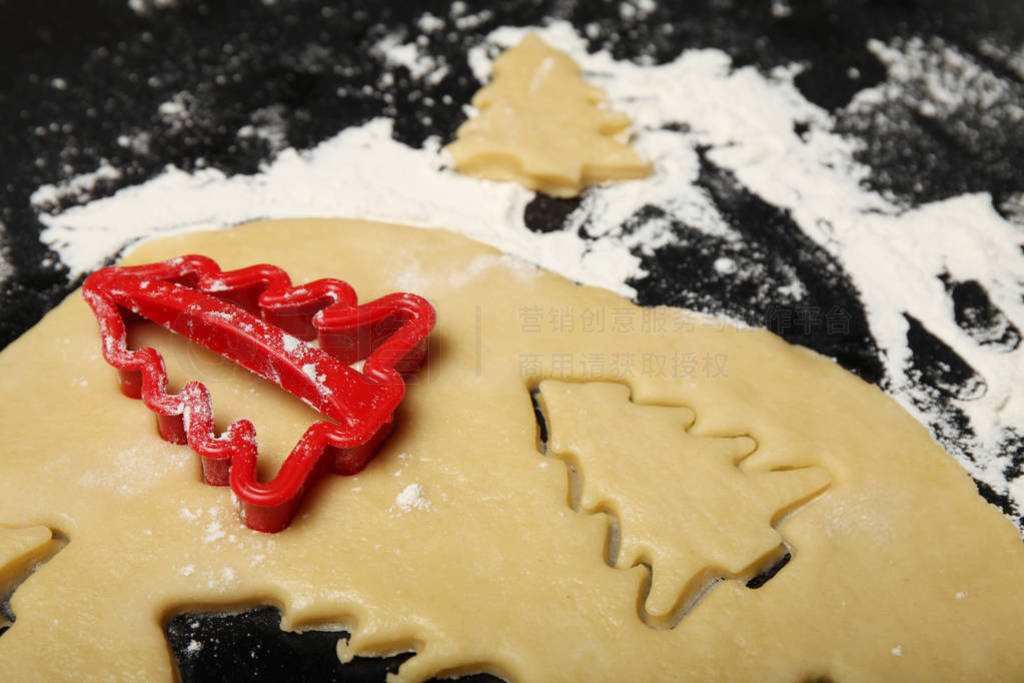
494 571
541 125
688 533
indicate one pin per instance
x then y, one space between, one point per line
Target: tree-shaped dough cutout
543 126
682 502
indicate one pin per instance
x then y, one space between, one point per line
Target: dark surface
252 646
829 319
306 63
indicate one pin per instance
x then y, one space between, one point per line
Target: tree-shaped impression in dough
542 125
715 520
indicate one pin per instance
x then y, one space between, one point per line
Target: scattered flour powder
49 196
746 120
411 498
421 64
6 269
144 7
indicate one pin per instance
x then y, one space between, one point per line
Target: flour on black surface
5 265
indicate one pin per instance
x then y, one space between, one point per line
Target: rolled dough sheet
458 541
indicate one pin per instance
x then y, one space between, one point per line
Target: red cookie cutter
255 317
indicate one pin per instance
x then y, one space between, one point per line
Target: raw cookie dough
541 125
690 535
899 569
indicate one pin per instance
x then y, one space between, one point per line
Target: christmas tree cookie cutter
256 318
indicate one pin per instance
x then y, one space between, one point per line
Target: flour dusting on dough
137 469
411 498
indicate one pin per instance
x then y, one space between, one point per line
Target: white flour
144 7
6 269
421 65
411 498
948 78
745 118
48 197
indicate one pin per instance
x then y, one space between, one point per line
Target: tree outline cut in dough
720 523
543 126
